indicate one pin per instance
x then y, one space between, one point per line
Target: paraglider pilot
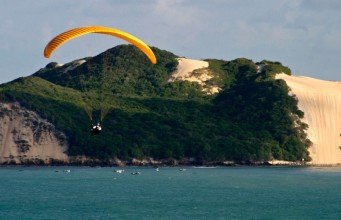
80 31
96 129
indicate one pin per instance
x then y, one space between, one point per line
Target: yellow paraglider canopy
77 32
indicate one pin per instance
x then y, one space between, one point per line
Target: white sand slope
321 103
186 71
186 67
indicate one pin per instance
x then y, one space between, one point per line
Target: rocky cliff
27 138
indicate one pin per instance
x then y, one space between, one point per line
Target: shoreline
82 160
154 165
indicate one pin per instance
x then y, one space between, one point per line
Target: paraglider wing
77 32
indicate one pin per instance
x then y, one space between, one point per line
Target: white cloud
176 12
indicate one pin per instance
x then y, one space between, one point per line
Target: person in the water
96 129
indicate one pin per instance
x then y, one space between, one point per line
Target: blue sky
302 34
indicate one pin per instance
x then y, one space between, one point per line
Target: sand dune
185 69
321 103
194 71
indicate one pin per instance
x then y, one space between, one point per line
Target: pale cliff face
26 137
321 103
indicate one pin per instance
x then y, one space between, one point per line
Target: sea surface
195 193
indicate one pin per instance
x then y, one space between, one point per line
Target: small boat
135 173
157 169
67 171
182 169
118 171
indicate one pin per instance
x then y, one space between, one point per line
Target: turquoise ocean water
197 193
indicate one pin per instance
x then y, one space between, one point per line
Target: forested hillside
251 119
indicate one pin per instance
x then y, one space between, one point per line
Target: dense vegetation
252 119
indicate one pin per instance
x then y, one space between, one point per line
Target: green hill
252 119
